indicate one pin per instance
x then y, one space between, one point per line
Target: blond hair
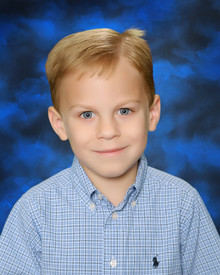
99 50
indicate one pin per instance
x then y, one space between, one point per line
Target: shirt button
114 216
92 206
99 196
133 203
113 263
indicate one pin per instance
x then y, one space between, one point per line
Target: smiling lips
111 151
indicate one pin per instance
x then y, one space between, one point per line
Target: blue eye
87 115
124 111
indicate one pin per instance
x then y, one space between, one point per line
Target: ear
56 122
154 113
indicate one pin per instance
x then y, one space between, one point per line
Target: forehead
122 81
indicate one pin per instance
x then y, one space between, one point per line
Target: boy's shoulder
168 192
161 180
52 184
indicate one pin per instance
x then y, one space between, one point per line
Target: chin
114 172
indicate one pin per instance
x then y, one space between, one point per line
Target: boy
109 213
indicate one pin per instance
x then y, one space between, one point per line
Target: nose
108 129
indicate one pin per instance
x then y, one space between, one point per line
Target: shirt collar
86 189
141 174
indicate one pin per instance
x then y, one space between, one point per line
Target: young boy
110 213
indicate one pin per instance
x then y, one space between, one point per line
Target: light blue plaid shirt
66 226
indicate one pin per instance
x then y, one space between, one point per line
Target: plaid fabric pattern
65 226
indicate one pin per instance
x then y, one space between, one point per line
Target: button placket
112 244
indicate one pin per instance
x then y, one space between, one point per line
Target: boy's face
106 119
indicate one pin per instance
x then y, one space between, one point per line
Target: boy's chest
131 241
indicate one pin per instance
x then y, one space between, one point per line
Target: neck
114 189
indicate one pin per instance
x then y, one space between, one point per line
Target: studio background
185 40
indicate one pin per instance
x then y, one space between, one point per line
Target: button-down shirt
65 225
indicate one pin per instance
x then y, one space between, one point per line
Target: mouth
109 152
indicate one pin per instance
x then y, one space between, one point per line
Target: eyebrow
91 107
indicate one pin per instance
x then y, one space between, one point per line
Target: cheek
141 136
78 135
138 129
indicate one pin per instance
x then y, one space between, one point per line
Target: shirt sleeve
200 242
20 242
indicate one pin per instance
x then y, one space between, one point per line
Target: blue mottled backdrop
185 41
